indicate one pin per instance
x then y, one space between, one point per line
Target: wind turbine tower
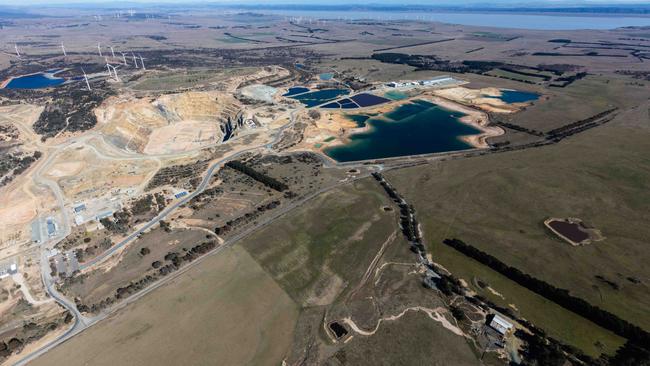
63 49
142 63
114 71
112 52
123 58
135 61
86 78
17 52
99 49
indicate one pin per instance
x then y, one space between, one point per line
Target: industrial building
7 269
500 324
444 80
51 227
438 81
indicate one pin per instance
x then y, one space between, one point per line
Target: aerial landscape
324 183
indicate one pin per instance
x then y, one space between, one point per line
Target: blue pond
514 96
35 81
295 90
357 101
326 76
319 97
419 127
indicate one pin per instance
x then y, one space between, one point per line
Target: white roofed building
500 324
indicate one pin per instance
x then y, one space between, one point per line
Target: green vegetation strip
561 297
260 177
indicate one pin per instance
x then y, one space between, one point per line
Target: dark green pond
419 127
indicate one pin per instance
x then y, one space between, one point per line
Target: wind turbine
86 78
16 47
135 61
123 58
111 67
63 49
142 63
99 48
112 52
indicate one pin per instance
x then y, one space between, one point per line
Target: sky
418 2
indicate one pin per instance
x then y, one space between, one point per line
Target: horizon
270 3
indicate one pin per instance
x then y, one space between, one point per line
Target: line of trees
260 177
561 130
567 80
524 73
560 296
246 218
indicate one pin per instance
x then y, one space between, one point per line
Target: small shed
500 324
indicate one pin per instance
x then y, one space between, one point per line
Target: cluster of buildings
438 81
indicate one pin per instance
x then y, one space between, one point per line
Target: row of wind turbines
111 69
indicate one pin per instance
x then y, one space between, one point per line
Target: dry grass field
498 203
224 311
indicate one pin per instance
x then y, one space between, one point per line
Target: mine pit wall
231 123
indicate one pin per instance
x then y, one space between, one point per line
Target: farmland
185 316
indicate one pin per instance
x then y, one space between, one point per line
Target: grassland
321 249
226 310
187 79
342 255
498 203
102 283
558 322
581 99
409 341
511 75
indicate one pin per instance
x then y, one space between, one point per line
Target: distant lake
35 81
419 127
504 20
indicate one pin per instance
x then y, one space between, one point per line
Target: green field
558 322
409 341
498 202
580 100
515 76
320 248
321 253
176 80
226 309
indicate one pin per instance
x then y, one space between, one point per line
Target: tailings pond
35 81
418 127
319 97
515 96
